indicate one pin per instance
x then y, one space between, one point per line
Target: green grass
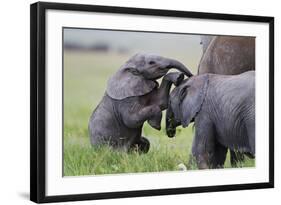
85 77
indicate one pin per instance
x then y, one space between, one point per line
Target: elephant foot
175 77
142 146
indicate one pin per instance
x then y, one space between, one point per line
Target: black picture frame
38 100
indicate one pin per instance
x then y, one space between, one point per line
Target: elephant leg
157 102
203 146
142 145
136 119
219 156
213 155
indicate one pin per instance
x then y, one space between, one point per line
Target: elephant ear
192 97
127 82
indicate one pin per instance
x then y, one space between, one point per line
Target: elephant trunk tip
171 132
170 128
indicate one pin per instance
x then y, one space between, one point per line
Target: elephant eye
151 62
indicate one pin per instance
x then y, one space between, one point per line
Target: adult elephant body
227 55
223 110
132 97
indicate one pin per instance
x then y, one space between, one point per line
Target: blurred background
126 43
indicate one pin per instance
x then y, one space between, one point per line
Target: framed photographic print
129 102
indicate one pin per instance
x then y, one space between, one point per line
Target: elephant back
228 56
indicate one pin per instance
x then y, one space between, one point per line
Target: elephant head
185 102
138 75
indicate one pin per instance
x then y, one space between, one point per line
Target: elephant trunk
170 123
179 66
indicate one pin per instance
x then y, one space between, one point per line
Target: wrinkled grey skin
223 110
132 97
227 55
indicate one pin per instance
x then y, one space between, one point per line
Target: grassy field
85 77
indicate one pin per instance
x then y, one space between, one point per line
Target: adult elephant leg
161 98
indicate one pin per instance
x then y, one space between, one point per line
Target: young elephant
223 109
132 97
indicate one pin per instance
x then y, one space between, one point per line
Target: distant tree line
96 47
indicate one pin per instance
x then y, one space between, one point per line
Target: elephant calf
223 110
133 97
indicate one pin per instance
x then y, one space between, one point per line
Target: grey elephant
132 97
223 110
227 55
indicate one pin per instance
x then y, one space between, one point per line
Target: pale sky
134 40
184 47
